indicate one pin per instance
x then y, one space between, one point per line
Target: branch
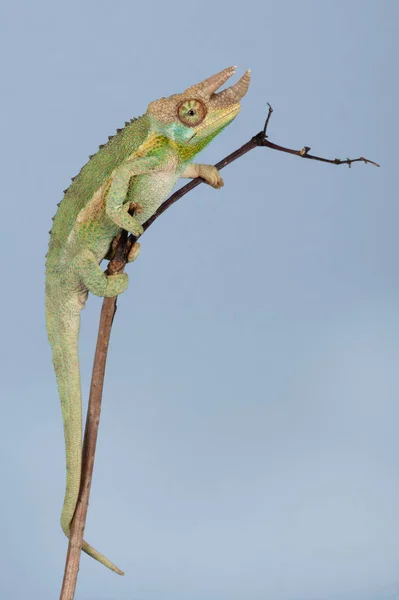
92 422
123 243
260 139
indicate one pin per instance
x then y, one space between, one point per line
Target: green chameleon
138 167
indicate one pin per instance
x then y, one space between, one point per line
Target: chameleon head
199 113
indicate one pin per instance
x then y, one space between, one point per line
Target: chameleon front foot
208 173
211 175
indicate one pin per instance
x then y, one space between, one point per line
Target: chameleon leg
96 281
116 196
115 208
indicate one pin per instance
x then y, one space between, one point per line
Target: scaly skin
140 164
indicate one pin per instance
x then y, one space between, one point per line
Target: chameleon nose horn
213 83
236 91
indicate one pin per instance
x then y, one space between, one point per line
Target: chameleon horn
236 91
210 85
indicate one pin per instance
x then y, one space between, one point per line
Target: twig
108 310
269 114
260 140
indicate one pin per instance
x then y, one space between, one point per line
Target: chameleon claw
134 206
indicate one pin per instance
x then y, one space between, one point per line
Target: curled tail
63 321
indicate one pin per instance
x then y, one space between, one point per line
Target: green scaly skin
140 165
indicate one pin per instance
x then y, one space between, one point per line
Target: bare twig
108 310
117 265
269 114
260 140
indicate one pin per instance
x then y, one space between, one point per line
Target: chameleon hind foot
136 207
133 252
97 282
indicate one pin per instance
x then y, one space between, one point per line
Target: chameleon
137 167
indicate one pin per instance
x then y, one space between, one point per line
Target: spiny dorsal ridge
126 123
91 156
101 146
119 130
110 137
73 178
65 191
58 203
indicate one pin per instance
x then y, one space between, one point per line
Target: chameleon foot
211 175
133 252
136 207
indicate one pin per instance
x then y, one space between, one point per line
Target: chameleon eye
191 112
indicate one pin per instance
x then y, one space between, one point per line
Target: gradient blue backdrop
248 446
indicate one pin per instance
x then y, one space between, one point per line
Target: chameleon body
137 167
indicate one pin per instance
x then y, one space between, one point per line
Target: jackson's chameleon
137 167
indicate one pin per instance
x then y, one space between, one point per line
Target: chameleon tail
63 333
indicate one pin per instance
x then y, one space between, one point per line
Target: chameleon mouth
234 111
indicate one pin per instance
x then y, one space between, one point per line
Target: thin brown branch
260 139
108 310
269 114
117 265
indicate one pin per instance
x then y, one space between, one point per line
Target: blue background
248 445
